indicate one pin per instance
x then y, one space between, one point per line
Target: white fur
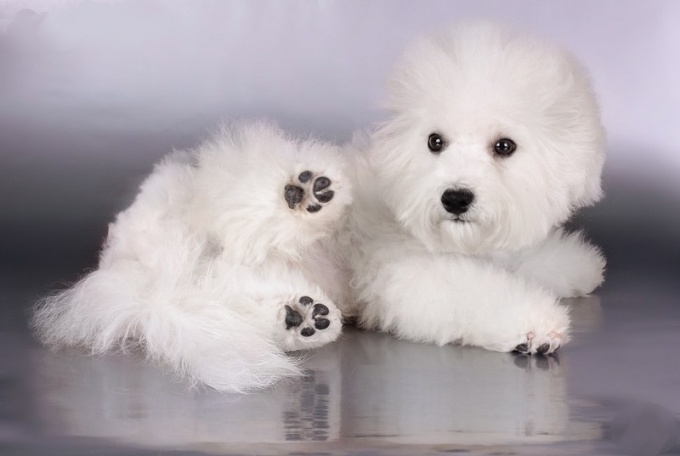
199 269
494 280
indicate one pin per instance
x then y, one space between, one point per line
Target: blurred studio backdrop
92 93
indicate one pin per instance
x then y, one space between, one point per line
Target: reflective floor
613 390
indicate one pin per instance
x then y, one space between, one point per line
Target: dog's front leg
564 263
439 298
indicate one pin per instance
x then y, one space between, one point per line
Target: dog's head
494 139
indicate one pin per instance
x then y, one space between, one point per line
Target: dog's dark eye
436 143
505 147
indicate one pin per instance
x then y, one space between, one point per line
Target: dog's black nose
457 201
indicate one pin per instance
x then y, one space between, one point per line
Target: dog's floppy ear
583 133
591 191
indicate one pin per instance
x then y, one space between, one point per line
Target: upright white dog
219 266
494 140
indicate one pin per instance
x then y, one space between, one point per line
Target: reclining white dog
241 250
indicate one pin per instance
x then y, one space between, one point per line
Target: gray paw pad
306 316
309 191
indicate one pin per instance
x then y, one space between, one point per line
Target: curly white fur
200 269
490 276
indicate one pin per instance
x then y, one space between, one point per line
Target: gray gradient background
93 93
96 92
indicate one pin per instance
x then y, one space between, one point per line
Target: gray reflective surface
368 393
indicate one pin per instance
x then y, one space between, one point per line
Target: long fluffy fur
199 269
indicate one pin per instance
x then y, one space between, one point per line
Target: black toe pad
319 309
321 183
543 348
522 348
293 195
322 323
293 317
305 176
325 196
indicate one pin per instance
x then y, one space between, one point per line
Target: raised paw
541 344
308 192
308 324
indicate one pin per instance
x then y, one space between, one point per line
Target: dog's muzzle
457 200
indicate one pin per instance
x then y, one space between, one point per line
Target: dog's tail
206 342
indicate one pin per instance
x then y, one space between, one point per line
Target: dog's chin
463 235
473 236
464 221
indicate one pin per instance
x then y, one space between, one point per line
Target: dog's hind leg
261 193
297 313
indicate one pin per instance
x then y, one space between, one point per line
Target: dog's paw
543 328
309 192
541 343
304 323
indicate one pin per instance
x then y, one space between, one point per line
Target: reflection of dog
218 266
472 396
123 399
494 140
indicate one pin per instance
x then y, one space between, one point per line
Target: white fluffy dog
494 140
241 250
219 266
